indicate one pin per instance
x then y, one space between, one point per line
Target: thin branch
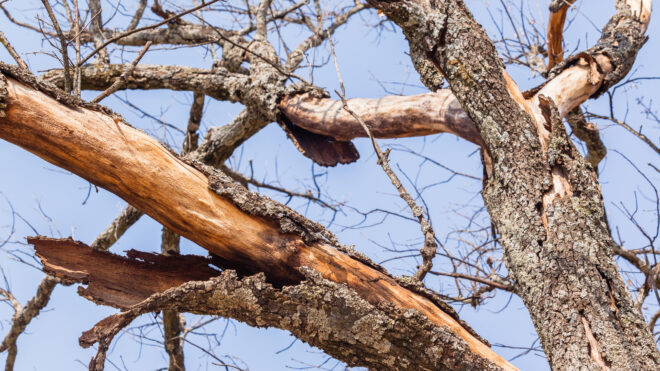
24 316
485 281
127 33
630 129
96 30
4 41
122 78
430 246
137 16
129 216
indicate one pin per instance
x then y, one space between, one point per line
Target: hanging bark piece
116 281
322 149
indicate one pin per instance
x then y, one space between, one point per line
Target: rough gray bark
318 311
558 246
217 83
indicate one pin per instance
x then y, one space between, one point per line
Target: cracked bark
90 141
541 194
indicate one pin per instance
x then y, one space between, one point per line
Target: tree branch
245 231
24 315
318 311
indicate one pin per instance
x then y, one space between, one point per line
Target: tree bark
246 232
540 193
318 311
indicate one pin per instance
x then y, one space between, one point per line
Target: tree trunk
542 196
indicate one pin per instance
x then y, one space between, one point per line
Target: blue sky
56 203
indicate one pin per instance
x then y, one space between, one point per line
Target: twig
430 246
122 79
485 281
627 127
4 41
245 180
127 33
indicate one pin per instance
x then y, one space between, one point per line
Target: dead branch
246 232
12 51
317 310
430 246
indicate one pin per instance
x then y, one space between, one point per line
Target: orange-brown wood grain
555 36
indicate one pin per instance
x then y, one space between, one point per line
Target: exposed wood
117 281
387 117
134 166
556 31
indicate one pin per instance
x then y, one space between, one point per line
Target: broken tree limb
319 311
555 38
114 280
97 145
568 281
387 117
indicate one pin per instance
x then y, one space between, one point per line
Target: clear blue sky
52 200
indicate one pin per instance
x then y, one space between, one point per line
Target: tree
279 268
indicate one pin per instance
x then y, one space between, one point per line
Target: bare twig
485 281
430 246
245 180
12 51
630 129
130 32
122 79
